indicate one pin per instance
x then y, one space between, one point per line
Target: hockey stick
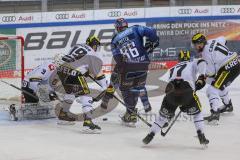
95 99
170 126
113 96
99 97
30 94
143 120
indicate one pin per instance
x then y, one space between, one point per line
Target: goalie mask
93 42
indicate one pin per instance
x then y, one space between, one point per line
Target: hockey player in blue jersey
131 57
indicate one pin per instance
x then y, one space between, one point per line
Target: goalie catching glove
200 82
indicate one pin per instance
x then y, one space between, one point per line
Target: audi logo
62 16
227 10
114 14
8 18
185 11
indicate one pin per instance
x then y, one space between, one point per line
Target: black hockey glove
200 82
150 46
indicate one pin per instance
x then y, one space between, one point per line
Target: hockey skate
13 112
90 127
213 118
148 138
64 119
227 107
129 119
202 139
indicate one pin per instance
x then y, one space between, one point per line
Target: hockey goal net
11 68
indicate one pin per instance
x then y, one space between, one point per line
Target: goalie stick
95 99
33 96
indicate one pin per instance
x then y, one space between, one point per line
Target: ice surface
8 92
45 140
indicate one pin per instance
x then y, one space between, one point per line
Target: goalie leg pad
36 111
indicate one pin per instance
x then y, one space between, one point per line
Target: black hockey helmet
199 38
184 55
93 42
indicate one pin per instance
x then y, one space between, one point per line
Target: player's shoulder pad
221 40
136 25
200 61
113 38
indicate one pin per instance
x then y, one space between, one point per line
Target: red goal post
21 39
11 66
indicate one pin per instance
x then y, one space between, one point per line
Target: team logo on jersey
51 67
5 54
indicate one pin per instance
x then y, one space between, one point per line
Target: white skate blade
87 130
65 123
